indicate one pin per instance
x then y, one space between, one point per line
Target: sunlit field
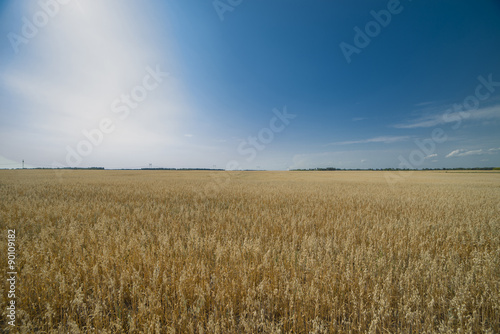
252 252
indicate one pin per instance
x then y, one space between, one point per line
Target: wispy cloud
492 112
382 139
463 153
425 122
430 156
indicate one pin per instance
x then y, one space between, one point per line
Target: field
252 252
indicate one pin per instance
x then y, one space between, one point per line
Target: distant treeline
393 169
63 168
102 168
180 169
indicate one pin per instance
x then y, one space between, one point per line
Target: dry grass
270 252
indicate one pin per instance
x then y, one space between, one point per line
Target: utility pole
23 163
150 165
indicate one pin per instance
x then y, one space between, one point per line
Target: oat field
252 252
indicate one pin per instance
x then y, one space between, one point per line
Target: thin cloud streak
492 112
430 156
382 139
463 153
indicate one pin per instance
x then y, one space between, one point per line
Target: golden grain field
252 252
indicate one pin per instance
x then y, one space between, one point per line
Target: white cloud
382 139
431 156
463 153
473 152
492 112
425 122
453 153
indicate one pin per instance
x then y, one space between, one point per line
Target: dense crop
269 252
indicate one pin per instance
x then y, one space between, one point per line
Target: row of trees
394 169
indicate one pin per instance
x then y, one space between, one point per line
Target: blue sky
250 84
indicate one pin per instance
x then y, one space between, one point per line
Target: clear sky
269 84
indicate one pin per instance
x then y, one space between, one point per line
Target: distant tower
23 163
150 165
